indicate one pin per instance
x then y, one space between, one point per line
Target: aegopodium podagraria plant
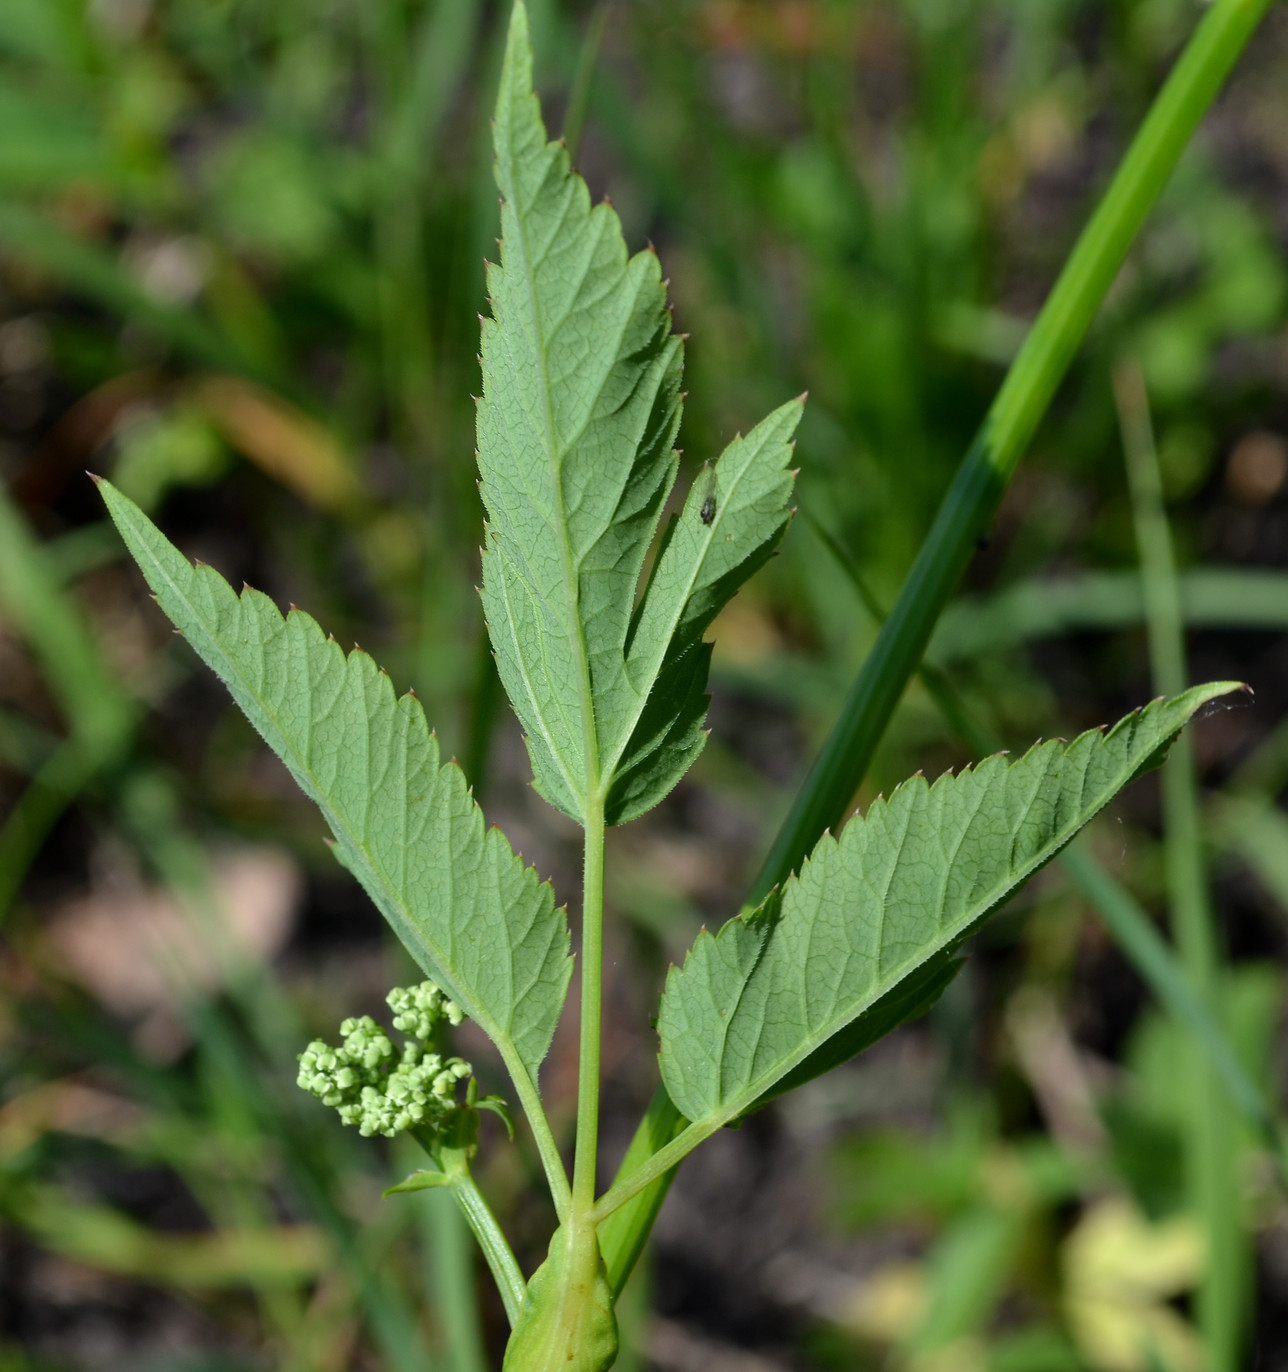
576 426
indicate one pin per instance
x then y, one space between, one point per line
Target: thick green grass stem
1210 1144
977 489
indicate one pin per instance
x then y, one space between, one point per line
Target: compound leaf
864 936
576 426
473 916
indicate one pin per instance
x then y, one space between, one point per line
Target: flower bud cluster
381 1089
418 1009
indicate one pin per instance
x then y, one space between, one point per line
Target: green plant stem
1210 1141
992 458
592 976
500 1260
547 1149
452 1161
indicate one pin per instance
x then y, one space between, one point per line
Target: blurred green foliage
241 248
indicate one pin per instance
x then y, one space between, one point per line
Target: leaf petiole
592 995
659 1164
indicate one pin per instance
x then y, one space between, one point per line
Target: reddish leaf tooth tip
94 477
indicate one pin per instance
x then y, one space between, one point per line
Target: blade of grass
449 1246
982 479
1258 832
1224 597
99 716
34 599
1210 1143
583 79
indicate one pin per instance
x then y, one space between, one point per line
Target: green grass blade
1258 832
32 596
472 915
982 478
1222 597
1210 1143
446 1236
1150 955
583 78
100 717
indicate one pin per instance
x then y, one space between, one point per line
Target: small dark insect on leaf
708 511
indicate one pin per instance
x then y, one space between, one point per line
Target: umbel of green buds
381 1089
